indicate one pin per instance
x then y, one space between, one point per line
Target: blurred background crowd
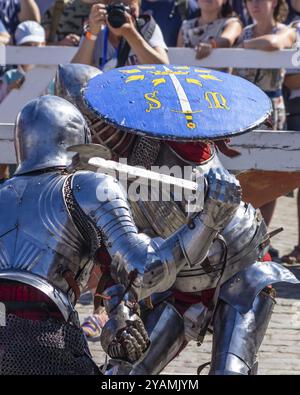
153 26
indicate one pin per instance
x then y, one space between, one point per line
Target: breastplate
162 218
37 233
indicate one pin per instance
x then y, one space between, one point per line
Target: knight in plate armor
53 223
224 284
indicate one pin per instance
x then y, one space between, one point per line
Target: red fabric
194 152
267 258
185 300
13 292
207 296
104 260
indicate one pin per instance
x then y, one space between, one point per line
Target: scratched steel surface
177 102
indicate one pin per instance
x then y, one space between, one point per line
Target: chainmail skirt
43 348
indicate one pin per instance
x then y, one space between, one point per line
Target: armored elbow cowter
151 265
136 258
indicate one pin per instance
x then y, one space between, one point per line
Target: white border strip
219 58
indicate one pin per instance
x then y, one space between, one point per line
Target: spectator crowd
150 28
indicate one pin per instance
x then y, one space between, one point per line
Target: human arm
230 34
85 53
227 38
284 39
148 265
180 41
29 11
146 54
4 38
292 81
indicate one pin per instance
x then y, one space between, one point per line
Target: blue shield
177 102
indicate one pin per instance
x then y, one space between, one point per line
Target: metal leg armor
165 343
237 337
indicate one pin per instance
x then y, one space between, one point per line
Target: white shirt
156 40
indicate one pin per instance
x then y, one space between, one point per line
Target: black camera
116 14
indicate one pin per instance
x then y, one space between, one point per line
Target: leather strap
105 279
226 150
70 279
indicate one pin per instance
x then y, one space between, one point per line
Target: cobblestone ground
280 351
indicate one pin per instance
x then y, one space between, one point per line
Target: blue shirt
12 75
293 14
3 29
168 18
9 10
241 10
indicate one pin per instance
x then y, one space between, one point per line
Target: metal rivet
191 225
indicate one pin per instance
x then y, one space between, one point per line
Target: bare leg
298 210
294 256
93 324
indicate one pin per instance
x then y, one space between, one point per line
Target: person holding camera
117 35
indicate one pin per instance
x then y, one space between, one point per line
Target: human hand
125 337
71 40
97 18
4 38
203 50
15 84
223 199
127 28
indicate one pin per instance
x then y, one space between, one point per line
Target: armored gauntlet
123 336
223 199
221 203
